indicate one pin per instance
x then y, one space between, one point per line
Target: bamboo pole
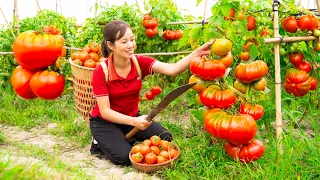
96 8
38 6
7 23
56 6
16 16
139 9
205 10
5 53
289 39
277 78
318 6
189 22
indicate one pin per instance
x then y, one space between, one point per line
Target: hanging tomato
297 82
256 111
47 85
20 79
37 51
207 69
246 73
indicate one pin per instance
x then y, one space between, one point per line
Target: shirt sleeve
99 84
145 63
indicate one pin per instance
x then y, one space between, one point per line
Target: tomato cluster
153 151
305 22
35 52
153 92
172 34
150 24
90 56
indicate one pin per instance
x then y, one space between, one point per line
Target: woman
116 112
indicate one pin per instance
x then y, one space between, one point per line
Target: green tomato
283 52
316 32
294 47
282 44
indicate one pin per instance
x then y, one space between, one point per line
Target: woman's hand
204 49
141 122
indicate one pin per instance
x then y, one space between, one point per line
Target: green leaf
254 51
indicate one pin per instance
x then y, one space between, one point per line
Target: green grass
199 158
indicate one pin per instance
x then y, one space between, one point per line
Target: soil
94 166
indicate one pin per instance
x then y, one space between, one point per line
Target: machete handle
132 133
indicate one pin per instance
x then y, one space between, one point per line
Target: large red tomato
297 82
36 51
47 85
237 129
245 153
296 58
227 59
246 73
307 22
251 22
256 111
211 97
207 69
152 32
20 80
290 24
314 83
169 35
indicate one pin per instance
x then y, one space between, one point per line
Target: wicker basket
149 168
82 86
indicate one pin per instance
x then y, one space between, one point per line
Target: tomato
297 82
227 59
316 32
149 95
305 66
168 35
156 90
178 34
152 23
75 55
260 84
173 153
247 45
94 56
150 158
242 87
135 148
137 157
86 49
283 52
146 17
47 85
247 73
290 24
155 140
35 51
240 15
244 55
155 150
207 69
78 62
251 22
256 111
64 52
307 22
152 32
317 47
164 145
165 154
197 99
265 31
237 129
314 83
201 84
147 142
144 149
90 63
221 47
296 58
60 62
20 80
245 153
83 56
231 14
161 159
94 47
215 98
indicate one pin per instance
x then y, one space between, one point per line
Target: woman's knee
121 159
166 135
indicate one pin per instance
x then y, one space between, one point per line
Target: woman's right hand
141 122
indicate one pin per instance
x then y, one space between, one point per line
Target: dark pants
113 143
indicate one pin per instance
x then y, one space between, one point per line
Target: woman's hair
113 31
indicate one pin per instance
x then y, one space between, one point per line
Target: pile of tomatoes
153 151
35 52
150 24
90 56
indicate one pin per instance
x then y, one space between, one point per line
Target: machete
164 102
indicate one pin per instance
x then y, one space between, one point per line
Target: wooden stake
205 10
96 9
38 6
16 16
139 10
289 39
5 53
56 6
277 79
189 22
7 23
318 6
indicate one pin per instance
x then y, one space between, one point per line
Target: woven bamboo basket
82 86
149 168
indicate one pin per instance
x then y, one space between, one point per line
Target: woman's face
124 47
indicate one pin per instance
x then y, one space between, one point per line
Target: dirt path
99 168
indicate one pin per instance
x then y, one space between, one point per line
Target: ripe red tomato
217 98
135 148
144 149
173 153
296 58
227 59
83 56
147 142
35 51
245 55
156 90
47 85
256 111
251 23
155 140
152 23
155 150
168 35
90 63
150 158
290 24
152 32
247 73
307 22
297 82
178 34
237 129
161 159
137 157
149 95
314 83
20 81
94 47
165 145
245 153
164 153
305 66
207 69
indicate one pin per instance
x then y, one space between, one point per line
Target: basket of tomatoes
154 154
82 65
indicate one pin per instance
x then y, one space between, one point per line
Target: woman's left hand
204 49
